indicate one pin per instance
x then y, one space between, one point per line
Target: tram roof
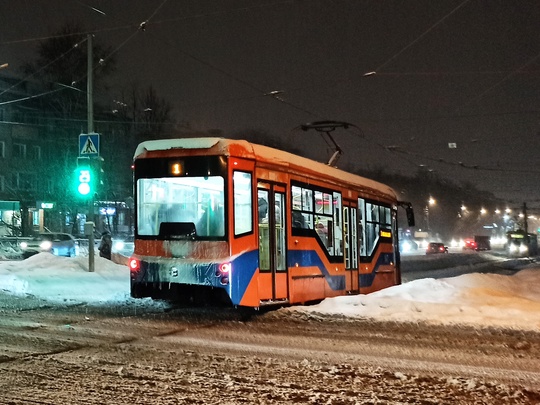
243 148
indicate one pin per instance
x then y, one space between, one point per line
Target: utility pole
525 224
90 85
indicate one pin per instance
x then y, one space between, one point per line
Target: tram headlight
523 248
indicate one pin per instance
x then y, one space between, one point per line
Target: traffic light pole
89 231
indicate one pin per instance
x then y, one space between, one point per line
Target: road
138 353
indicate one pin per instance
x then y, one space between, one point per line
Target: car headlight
523 248
119 245
24 245
406 247
45 245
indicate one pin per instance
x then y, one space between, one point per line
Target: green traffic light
83 189
84 181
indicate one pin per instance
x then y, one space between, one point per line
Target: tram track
207 355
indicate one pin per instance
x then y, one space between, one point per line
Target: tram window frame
319 209
373 216
243 215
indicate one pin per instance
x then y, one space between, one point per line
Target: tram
247 225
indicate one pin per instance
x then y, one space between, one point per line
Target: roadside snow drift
477 299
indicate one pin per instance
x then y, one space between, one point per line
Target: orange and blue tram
248 225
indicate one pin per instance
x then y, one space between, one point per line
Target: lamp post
430 202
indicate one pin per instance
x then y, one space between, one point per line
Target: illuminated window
173 207
372 218
319 210
243 208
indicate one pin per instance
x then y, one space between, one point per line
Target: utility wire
40 70
421 36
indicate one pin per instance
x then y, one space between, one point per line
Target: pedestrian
105 246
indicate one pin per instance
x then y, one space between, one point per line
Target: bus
242 224
521 244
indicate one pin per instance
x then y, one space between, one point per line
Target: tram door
351 245
272 246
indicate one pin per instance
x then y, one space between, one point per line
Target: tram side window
243 208
321 211
372 217
302 201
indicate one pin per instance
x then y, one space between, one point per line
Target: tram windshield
181 207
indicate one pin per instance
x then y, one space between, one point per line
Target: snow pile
61 279
475 299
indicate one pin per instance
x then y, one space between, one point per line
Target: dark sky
447 71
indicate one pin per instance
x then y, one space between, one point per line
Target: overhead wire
114 51
431 28
145 24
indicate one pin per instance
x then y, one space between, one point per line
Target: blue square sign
89 145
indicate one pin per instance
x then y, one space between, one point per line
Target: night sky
447 72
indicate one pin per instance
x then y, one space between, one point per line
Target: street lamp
430 202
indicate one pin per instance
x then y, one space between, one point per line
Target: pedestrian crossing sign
89 145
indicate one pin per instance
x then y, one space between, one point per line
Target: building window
35 152
25 181
19 150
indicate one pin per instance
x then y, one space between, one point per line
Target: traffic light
88 177
84 181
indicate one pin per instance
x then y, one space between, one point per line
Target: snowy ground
475 299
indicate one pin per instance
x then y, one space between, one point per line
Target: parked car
59 244
436 247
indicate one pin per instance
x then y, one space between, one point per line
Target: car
57 243
407 245
469 244
436 247
124 246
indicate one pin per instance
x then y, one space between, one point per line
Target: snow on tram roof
276 155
